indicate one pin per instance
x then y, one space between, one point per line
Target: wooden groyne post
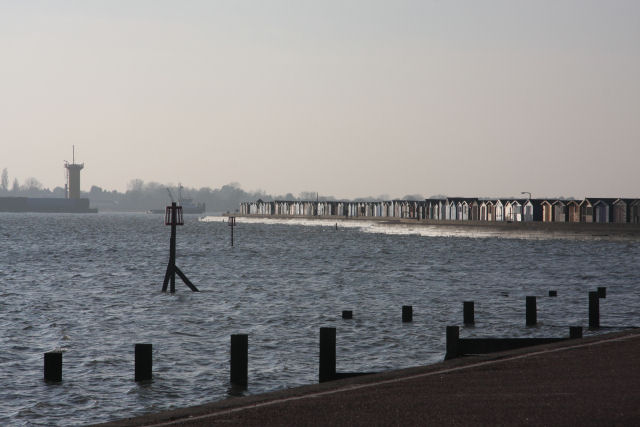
143 362
531 308
453 336
457 347
575 332
327 370
239 360
602 292
53 366
594 310
173 217
327 366
407 313
347 314
468 312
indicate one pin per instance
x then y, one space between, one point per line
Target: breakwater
470 228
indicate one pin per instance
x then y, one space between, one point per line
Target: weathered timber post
53 366
602 292
232 223
594 310
173 217
347 314
407 313
143 362
327 370
468 313
239 359
575 332
532 315
453 335
553 293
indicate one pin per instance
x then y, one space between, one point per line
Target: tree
4 184
32 184
308 195
136 185
16 185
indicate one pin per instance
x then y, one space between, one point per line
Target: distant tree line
30 188
143 196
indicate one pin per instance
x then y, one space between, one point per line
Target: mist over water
90 286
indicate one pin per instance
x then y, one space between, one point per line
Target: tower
73 177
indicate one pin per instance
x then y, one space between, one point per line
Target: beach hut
547 211
596 209
559 211
498 206
429 209
532 210
603 210
450 213
621 210
586 210
491 210
634 212
484 208
513 210
463 210
573 211
474 210
508 211
440 207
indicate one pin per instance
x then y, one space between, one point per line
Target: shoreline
577 228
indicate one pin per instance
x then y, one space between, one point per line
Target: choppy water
90 285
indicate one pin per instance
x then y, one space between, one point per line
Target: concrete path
588 382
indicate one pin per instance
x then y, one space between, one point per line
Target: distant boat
187 203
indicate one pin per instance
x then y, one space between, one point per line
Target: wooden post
173 217
347 314
532 315
575 332
239 359
602 292
143 362
53 366
327 370
172 248
594 310
453 335
232 223
407 313
553 293
468 313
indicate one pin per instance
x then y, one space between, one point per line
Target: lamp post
527 193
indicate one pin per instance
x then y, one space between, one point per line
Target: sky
349 98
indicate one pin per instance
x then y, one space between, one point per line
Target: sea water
90 286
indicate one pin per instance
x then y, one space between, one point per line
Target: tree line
143 196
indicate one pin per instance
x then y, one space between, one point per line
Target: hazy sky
344 98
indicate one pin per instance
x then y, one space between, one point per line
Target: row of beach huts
591 209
